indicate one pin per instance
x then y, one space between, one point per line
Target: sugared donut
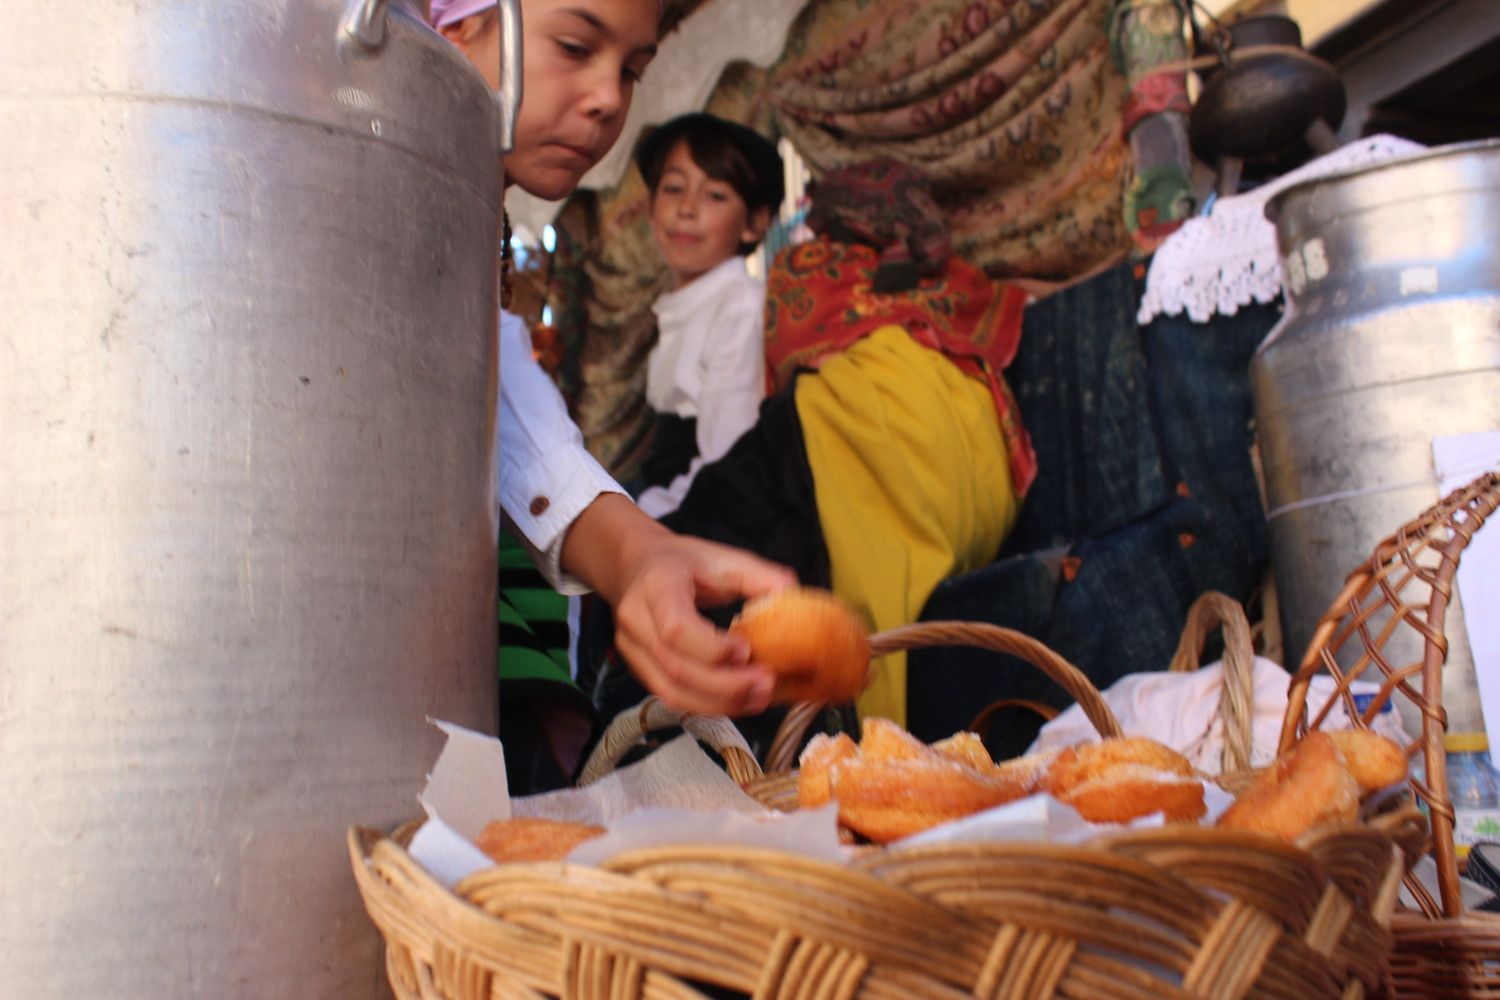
529 838
1089 761
1125 792
890 799
1029 770
881 739
967 747
1375 761
815 643
1308 786
819 757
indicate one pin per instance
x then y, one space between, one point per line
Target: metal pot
1391 338
1267 96
247 505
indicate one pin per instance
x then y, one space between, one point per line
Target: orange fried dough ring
881 739
890 799
1308 786
966 747
1129 791
533 839
818 759
813 641
1090 761
1375 761
1029 770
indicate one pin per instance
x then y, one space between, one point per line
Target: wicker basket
630 729
1174 912
1407 584
1210 611
1237 693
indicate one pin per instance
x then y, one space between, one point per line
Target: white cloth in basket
1182 711
1220 262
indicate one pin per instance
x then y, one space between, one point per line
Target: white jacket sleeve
547 477
734 383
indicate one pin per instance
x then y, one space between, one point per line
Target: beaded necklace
506 265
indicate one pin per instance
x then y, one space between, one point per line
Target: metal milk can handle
364 24
509 94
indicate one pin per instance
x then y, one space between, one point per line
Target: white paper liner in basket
676 795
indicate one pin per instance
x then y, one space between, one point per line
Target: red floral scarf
820 300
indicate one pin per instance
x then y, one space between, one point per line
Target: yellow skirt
912 483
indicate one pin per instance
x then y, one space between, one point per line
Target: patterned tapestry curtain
1012 107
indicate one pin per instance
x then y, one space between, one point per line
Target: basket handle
1445 529
981 723
1237 691
978 634
630 727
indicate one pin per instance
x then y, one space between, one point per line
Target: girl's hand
655 580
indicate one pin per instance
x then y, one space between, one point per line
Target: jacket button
539 506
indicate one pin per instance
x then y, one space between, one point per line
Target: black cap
769 185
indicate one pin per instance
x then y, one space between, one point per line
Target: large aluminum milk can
1391 338
247 507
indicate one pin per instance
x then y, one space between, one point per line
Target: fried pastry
1126 792
814 642
821 755
1089 761
891 799
881 739
966 747
1306 787
529 838
1374 761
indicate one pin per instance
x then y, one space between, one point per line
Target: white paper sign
1460 460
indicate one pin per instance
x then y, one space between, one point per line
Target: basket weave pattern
1189 913
1174 912
1406 587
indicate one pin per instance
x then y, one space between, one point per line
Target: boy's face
698 222
580 63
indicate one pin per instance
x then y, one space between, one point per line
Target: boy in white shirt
715 186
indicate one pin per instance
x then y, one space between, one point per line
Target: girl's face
581 61
698 222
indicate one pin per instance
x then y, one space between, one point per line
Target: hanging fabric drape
1013 109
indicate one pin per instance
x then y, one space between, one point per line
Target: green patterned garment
533 620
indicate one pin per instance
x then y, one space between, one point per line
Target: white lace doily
1220 262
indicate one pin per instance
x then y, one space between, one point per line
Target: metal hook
364 23
1219 37
509 94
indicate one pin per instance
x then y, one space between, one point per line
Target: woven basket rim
1441 949
426 925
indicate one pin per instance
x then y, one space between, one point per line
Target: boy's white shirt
543 465
708 365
